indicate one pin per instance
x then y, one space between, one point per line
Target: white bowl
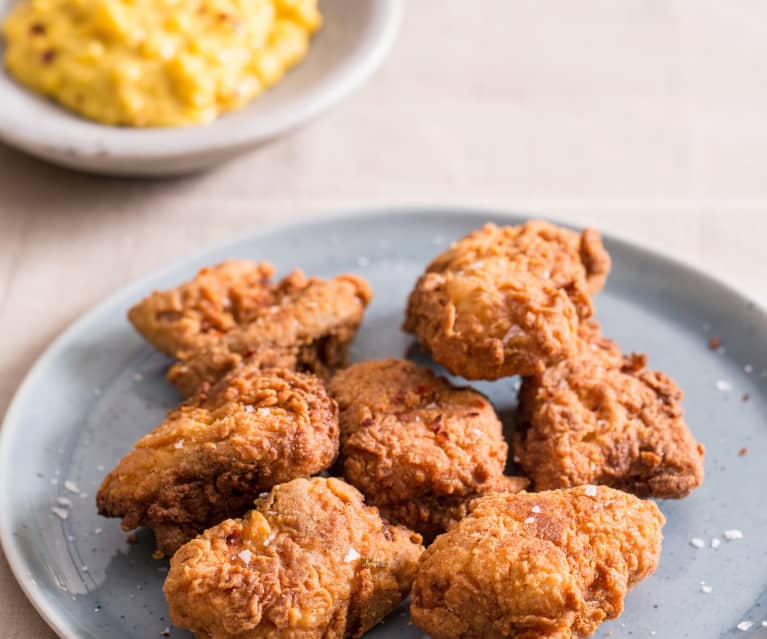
355 38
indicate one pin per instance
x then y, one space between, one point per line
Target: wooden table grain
644 118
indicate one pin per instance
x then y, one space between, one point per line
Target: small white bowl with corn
355 37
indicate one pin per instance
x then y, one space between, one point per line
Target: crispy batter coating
310 562
231 314
506 300
603 418
418 447
217 451
549 565
309 328
217 300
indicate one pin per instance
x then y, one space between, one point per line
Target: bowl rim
221 136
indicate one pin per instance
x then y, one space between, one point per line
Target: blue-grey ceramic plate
99 387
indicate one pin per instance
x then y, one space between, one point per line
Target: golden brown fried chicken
217 451
416 446
217 300
549 565
310 562
506 300
601 417
310 327
231 314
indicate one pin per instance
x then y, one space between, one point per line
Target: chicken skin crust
217 300
231 314
600 417
217 451
507 300
548 565
418 447
310 562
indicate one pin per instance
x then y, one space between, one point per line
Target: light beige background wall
647 117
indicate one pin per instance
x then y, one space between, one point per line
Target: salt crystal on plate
732 535
745 625
723 386
591 490
179 443
716 542
245 555
63 501
352 555
536 508
764 624
706 589
61 513
697 542
71 486
529 520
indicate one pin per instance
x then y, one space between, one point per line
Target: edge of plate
37 595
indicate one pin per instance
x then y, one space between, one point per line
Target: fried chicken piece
549 565
217 451
603 418
310 562
232 313
217 300
418 447
506 300
309 327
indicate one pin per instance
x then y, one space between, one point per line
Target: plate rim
168 144
37 595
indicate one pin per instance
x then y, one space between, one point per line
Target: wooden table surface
645 118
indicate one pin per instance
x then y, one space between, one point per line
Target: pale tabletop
646 118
